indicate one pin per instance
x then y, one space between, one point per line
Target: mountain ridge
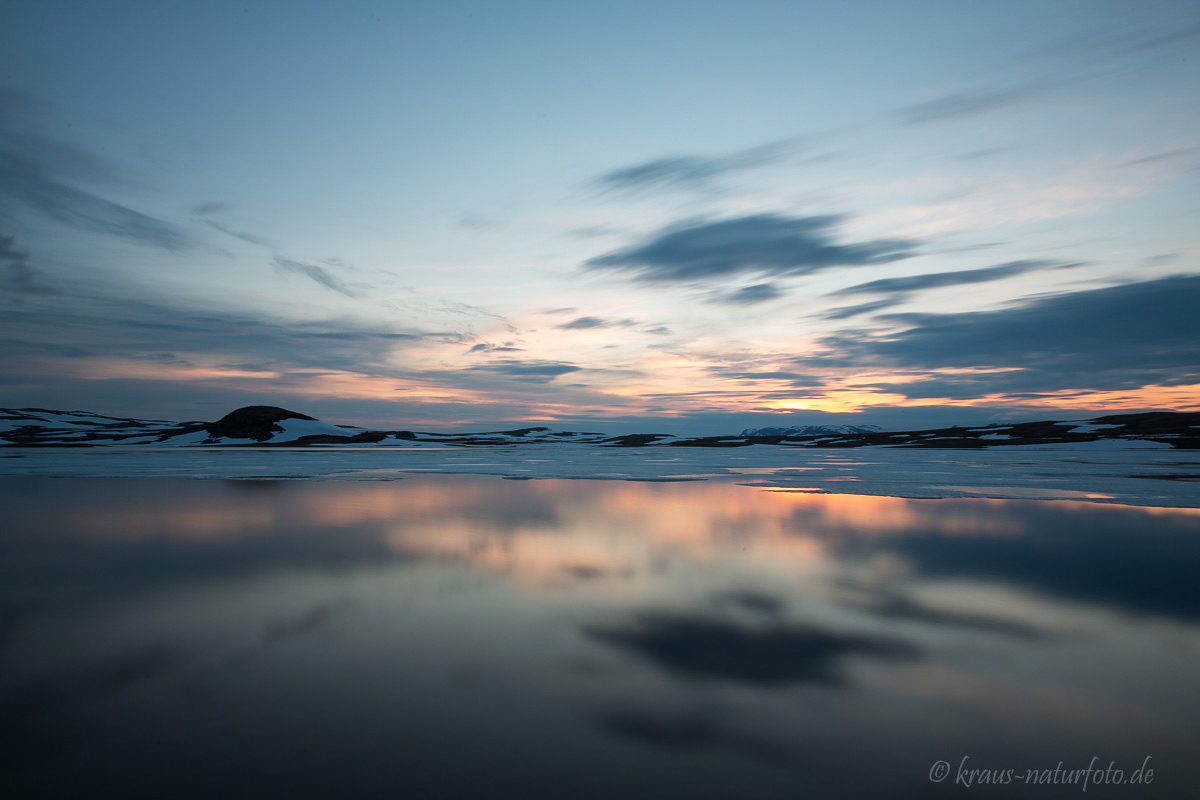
273 426
811 430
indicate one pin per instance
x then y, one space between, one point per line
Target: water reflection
457 636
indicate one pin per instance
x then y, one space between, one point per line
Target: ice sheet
1168 478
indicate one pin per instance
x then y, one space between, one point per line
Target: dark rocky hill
253 422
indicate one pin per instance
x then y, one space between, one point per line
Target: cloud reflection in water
689 636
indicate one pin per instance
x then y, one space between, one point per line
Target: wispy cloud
318 274
44 174
766 244
750 295
965 104
1158 159
125 326
846 312
19 275
488 347
533 371
933 280
206 212
898 290
686 731
584 323
581 323
692 170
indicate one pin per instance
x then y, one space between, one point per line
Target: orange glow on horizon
677 387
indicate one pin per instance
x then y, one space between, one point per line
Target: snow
188 438
1080 472
1090 427
1099 444
293 429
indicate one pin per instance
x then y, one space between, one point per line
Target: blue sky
693 216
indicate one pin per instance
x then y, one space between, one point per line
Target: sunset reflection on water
463 635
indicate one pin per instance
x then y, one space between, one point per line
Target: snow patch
1090 427
295 428
1098 444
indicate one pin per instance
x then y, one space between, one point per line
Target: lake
470 636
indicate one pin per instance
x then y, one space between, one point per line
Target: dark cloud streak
586 323
934 280
675 171
964 104
750 295
20 276
846 312
583 323
533 371
767 244
769 655
1115 338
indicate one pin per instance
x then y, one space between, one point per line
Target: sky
692 217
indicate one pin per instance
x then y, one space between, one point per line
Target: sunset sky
688 216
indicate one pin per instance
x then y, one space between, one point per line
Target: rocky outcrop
811 430
252 422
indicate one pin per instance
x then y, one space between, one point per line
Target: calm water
467 636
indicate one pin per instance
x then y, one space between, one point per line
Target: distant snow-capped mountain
248 426
271 426
811 430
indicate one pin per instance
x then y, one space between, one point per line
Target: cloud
534 371
964 104
245 237
207 210
45 174
900 289
1174 36
1168 157
752 600
692 170
488 347
20 276
891 604
126 327
1131 38
311 621
1100 555
318 274
766 244
1121 337
35 714
845 312
582 323
750 295
741 373
915 283
690 730
766 655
